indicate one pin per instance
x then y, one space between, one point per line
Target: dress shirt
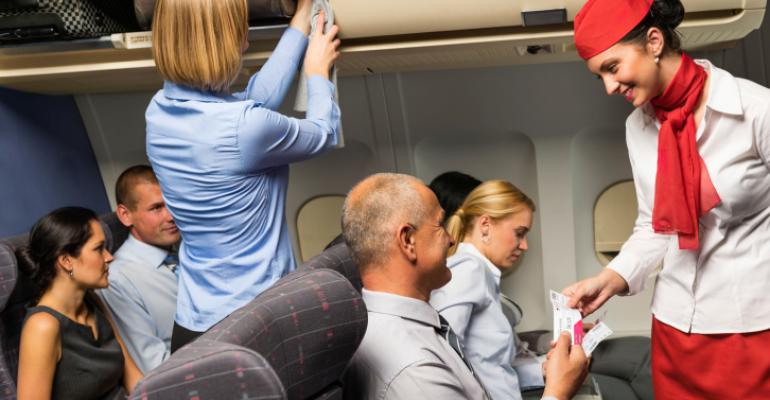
471 304
721 288
403 356
222 163
142 300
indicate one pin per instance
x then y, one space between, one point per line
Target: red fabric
601 23
683 188
693 366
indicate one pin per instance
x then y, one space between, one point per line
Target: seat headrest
8 272
339 258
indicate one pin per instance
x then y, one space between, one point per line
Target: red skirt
720 367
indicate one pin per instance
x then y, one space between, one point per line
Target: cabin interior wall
46 160
548 128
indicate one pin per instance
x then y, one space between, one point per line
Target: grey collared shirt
403 357
142 300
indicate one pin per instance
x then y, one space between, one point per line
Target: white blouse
725 286
471 304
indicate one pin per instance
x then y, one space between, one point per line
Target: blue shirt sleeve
267 138
268 87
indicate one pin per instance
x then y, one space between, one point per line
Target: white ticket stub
566 319
599 332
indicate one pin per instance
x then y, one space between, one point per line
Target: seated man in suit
143 284
393 224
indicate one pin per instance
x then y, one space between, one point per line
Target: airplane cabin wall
550 129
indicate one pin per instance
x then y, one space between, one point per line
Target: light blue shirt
471 304
222 163
142 300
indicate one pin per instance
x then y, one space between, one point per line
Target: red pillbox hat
602 23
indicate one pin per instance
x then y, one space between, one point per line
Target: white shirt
142 300
471 304
403 357
724 286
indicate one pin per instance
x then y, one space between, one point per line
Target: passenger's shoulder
465 262
42 326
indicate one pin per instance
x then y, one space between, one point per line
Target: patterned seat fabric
15 294
338 258
293 341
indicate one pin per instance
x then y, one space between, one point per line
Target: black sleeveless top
88 369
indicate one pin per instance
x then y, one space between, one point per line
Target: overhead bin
378 36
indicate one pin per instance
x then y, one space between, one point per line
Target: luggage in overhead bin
33 20
258 10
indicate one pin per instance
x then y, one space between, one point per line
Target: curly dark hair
63 231
665 15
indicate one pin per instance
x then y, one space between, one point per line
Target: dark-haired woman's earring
72 273
657 59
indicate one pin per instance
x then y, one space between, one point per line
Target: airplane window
614 216
318 222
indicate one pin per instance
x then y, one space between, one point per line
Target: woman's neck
66 298
669 66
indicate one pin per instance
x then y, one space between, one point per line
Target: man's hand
565 369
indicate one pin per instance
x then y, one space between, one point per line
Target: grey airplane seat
622 370
15 295
293 341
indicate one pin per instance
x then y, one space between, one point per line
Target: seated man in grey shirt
393 225
143 285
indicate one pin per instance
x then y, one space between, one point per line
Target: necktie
447 333
171 262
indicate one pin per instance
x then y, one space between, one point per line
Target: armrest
208 369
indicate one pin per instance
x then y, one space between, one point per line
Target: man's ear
406 241
124 215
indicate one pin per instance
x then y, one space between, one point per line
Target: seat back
339 258
293 341
16 293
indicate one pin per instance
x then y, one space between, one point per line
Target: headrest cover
602 23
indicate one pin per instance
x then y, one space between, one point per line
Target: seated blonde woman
490 233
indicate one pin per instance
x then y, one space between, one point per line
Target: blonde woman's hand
301 19
322 50
590 294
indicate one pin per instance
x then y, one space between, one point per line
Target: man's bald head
373 211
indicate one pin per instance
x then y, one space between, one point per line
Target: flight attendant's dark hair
665 15
63 231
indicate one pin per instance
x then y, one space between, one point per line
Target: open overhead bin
378 36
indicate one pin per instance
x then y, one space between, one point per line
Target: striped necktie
171 262
447 333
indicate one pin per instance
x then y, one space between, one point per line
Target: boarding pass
570 320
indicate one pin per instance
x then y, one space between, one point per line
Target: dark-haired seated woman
69 347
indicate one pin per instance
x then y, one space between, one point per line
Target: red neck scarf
683 188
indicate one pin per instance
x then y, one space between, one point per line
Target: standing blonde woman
222 158
490 234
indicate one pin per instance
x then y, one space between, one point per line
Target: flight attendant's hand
322 50
301 19
590 294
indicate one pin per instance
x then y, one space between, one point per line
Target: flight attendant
699 146
222 159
